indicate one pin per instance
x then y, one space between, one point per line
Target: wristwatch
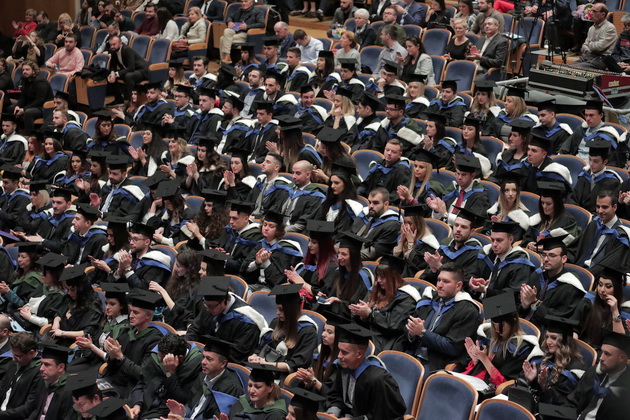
536 304
617 318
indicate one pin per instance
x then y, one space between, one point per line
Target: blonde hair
520 107
426 180
351 37
195 10
420 89
460 20
517 333
346 106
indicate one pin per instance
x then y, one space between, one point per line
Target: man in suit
245 18
127 66
491 49
366 35
410 12
210 9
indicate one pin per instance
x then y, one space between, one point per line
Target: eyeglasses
549 256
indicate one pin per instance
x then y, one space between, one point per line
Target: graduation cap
145 299
426 156
500 308
334 319
621 341
52 260
552 242
11 172
318 229
263 373
81 153
514 176
326 54
185 89
521 126
88 211
37 185
214 196
264 105
242 154
82 383
99 156
354 334
218 346
549 105
274 217
540 141
396 100
556 412
116 222
271 41
485 86
61 192
415 210
393 262
26 246
514 91
9 118
207 92
288 120
472 122
73 275
467 163
167 189
212 256
286 293
390 66
143 229
140 88
564 326
115 290
344 169
118 162
214 288
330 135
437 118
154 85
236 102
64 96
154 180
371 100
306 400
596 105
207 142
598 147
348 63
342 91
280 77
175 64
247 46
614 274
550 189
104 115
351 240
228 70
108 407
505 227
55 352
449 84
475 219
419 78
242 207
306 88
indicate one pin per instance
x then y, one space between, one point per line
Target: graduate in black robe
14 200
388 174
118 198
60 404
49 166
238 243
12 146
84 246
454 110
261 131
311 117
153 110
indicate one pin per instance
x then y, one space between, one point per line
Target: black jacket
27 387
129 61
35 91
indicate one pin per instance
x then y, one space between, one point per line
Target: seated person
239 22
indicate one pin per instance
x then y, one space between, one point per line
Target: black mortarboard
500 307
390 66
212 256
596 105
167 189
371 100
175 64
242 154
26 246
342 91
348 63
334 319
64 96
37 185
344 169
154 180
549 105
437 118
414 77
51 133
514 91
104 115
550 189
228 70
242 207
145 299
280 77
99 156
521 125
330 135
153 85
621 341
556 412
449 84
218 346
143 229
61 192
236 102
514 176
185 89
306 89
505 227
9 117
467 163
397 100
115 290
351 240
475 219
108 407
214 288
207 142
354 334
73 275
393 262
552 242
114 221
306 400
564 326
288 121
263 373
11 172
81 153
52 260
140 88
274 217
88 211
540 141
286 293
118 162
270 41
318 229
264 105
472 122
82 383
214 196
485 86
326 54
211 93
615 274
422 155
55 352
598 147
247 46
415 210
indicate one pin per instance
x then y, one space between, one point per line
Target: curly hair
212 226
566 352
177 286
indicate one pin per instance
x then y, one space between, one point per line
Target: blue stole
385 219
453 255
56 222
227 131
71 125
50 161
613 231
566 373
84 240
541 279
308 149
233 315
364 277
277 247
467 194
178 113
308 193
604 136
149 107
224 401
589 178
599 390
147 262
505 262
392 131
552 131
349 212
126 194
256 131
366 364
385 170
314 115
441 105
510 168
15 194
65 180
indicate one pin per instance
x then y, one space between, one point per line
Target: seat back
238 286
362 160
531 27
509 19
99 37
530 200
447 397
474 38
59 83
582 216
483 239
141 44
421 285
369 56
589 355
571 120
122 130
463 71
264 304
439 63
439 229
327 43
49 50
180 21
444 177
408 373
435 41
493 191
242 372
17 75
493 147
623 174
319 319
529 328
100 60
171 252
135 139
139 181
138 18
45 73
300 238
413 30
195 203
160 51
350 25
502 409
324 103
574 164
455 133
87 37
586 277
87 55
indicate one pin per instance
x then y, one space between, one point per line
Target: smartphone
322 301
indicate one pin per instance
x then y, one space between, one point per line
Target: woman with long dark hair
35 149
341 205
209 223
465 12
417 61
471 145
332 152
97 179
180 291
84 16
248 61
207 171
325 78
148 158
291 340
320 264
54 161
291 145
435 139
105 138
117 240
415 239
78 167
238 179
167 28
175 77
172 223
515 108
304 405
436 16
27 281
391 302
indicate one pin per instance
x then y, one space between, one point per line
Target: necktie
108 200
495 270
460 200
206 6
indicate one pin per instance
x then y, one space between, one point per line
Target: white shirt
310 52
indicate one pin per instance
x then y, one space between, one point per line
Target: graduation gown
87 319
232 133
557 134
60 404
118 147
73 137
21 290
257 137
227 389
388 177
152 266
487 120
284 253
150 113
27 388
55 230
376 394
475 199
238 245
242 410
302 205
558 391
183 119
500 124
371 135
310 275
571 145
274 196
344 215
415 262
381 235
124 198
465 256
347 124
444 343
614 403
505 276
454 111
240 325
179 166
296 78
301 355
12 206
49 169
407 131
174 233
366 283
204 124
565 224
417 108
79 248
589 186
311 118
13 149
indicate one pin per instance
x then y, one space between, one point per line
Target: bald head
302 173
